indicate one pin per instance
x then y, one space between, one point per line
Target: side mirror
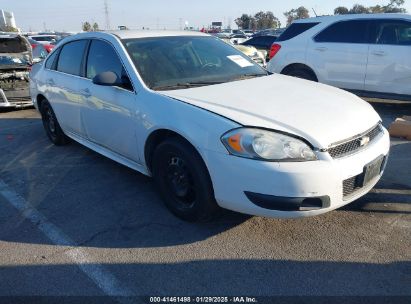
107 79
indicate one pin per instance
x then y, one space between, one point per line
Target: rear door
339 53
389 63
64 86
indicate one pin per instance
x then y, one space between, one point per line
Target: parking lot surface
73 222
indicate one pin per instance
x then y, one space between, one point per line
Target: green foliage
86 26
394 6
341 10
261 20
295 14
95 27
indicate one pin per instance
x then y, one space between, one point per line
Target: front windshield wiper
247 76
185 85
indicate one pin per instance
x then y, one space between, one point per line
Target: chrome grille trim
353 145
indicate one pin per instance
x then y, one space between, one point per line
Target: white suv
367 54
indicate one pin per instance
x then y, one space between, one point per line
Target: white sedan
211 126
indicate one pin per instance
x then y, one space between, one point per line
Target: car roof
354 16
129 34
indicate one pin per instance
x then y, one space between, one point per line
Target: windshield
167 63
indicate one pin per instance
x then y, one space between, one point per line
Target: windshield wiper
247 76
185 85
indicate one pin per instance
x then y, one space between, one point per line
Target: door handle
321 48
379 53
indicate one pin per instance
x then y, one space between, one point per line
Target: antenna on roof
315 13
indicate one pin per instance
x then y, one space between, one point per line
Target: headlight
266 145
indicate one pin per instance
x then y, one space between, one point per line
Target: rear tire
183 181
51 125
302 73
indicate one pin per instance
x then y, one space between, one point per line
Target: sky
68 15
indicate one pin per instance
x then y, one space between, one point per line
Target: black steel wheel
51 125
183 181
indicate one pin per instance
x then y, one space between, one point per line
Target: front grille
358 182
350 186
354 145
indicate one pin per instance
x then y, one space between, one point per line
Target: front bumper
234 177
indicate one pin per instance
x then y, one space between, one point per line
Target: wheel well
154 139
299 66
40 99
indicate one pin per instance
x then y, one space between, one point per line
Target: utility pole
107 15
180 22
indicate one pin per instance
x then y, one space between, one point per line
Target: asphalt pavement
75 223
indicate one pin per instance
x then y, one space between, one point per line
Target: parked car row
262 43
256 55
366 54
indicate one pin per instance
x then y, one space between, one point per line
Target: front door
339 54
109 111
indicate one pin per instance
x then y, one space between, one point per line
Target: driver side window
103 58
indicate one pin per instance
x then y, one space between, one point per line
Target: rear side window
50 61
353 31
254 41
296 29
391 32
71 57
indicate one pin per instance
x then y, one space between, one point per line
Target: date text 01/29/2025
203 300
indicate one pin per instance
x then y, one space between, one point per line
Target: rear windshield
12 45
296 29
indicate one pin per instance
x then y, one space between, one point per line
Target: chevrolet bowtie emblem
364 141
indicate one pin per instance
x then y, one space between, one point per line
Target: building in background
7 19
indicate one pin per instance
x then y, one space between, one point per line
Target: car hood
319 113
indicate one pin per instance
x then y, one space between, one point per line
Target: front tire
51 125
183 181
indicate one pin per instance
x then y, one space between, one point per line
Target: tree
95 27
359 9
245 22
394 6
295 14
266 20
86 27
341 10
